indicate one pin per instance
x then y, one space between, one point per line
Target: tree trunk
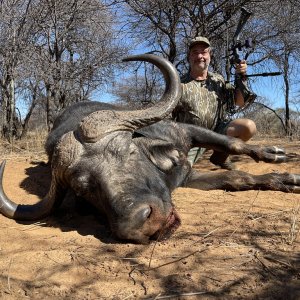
26 121
48 113
288 128
11 115
5 106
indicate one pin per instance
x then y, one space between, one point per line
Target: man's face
199 57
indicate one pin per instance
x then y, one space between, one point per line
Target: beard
201 65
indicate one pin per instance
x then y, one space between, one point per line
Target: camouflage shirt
204 103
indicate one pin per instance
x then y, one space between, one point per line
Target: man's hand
241 68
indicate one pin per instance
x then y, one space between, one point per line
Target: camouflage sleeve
229 94
242 85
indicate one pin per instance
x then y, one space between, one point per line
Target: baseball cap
199 40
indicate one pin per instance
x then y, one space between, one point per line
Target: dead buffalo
127 163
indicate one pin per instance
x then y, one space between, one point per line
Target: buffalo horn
31 211
99 123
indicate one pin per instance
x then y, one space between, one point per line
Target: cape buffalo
127 163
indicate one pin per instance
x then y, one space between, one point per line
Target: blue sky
272 88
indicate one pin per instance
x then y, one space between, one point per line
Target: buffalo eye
144 214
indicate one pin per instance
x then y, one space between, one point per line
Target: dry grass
32 146
295 224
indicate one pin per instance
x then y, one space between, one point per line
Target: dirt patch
242 245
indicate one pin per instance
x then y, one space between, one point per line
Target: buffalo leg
201 137
241 181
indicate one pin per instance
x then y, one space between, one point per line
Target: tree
57 52
14 30
277 39
73 50
139 90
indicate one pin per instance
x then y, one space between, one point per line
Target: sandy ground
241 245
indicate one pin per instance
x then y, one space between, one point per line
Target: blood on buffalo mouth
173 221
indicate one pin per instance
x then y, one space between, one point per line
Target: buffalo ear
164 155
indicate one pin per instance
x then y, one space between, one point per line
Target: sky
272 88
